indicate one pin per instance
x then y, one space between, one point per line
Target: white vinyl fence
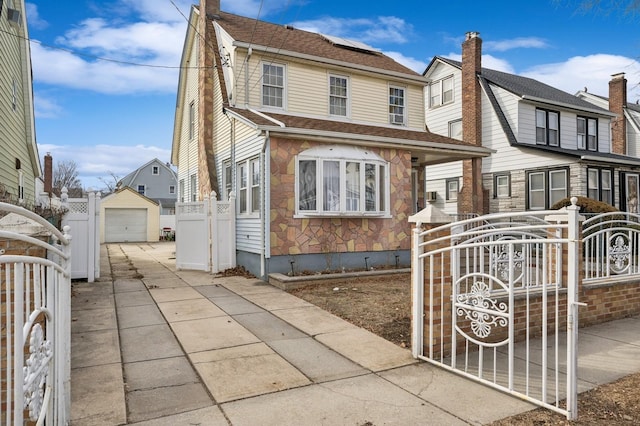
83 216
35 324
206 234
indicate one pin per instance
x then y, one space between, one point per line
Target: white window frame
333 95
155 170
371 196
181 190
193 186
248 187
441 89
227 178
397 110
192 120
172 189
547 187
502 186
20 187
452 189
143 187
282 89
455 129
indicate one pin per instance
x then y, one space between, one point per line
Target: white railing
611 246
482 285
35 324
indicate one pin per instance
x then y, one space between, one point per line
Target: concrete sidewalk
153 346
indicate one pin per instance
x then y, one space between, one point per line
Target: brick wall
617 104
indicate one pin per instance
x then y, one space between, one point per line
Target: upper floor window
587 130
396 105
455 129
546 187
599 184
441 92
273 85
14 96
547 127
338 181
172 189
338 95
141 189
155 170
192 120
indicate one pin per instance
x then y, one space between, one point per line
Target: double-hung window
249 186
453 187
546 187
141 189
441 92
502 186
587 130
338 95
273 85
155 170
337 181
455 129
547 127
397 104
599 184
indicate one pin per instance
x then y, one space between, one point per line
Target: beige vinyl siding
188 153
16 138
369 100
307 90
415 107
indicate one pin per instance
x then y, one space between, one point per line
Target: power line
99 58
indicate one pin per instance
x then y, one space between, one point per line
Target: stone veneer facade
323 235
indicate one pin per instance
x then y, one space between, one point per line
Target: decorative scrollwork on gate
483 312
619 253
36 371
500 260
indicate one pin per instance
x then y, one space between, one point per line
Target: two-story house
155 180
625 136
547 144
321 139
19 159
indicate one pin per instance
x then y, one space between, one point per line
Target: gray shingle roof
528 87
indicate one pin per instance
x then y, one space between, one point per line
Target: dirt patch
382 305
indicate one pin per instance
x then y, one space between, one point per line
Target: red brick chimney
48 174
472 197
617 105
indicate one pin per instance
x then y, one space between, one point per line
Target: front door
629 192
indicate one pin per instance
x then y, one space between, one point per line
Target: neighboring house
155 180
625 136
19 159
128 216
322 140
547 144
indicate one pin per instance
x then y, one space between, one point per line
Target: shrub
587 205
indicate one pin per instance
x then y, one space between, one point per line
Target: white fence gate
206 234
35 325
495 300
83 216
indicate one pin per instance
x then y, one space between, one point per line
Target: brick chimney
48 173
617 105
473 198
210 7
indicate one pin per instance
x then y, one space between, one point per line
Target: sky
106 71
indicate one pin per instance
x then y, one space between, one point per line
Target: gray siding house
155 180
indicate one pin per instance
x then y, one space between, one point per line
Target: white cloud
488 61
592 71
382 30
415 64
46 107
33 18
251 8
99 161
515 43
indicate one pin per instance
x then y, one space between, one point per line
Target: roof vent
288 27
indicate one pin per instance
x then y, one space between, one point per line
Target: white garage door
125 225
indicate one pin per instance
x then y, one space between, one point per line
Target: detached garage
127 216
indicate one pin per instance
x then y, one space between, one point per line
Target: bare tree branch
65 174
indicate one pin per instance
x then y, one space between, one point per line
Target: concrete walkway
156 346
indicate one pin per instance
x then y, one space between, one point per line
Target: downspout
266 234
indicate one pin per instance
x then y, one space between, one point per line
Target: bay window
336 181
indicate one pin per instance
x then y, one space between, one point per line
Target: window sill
342 214
248 216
